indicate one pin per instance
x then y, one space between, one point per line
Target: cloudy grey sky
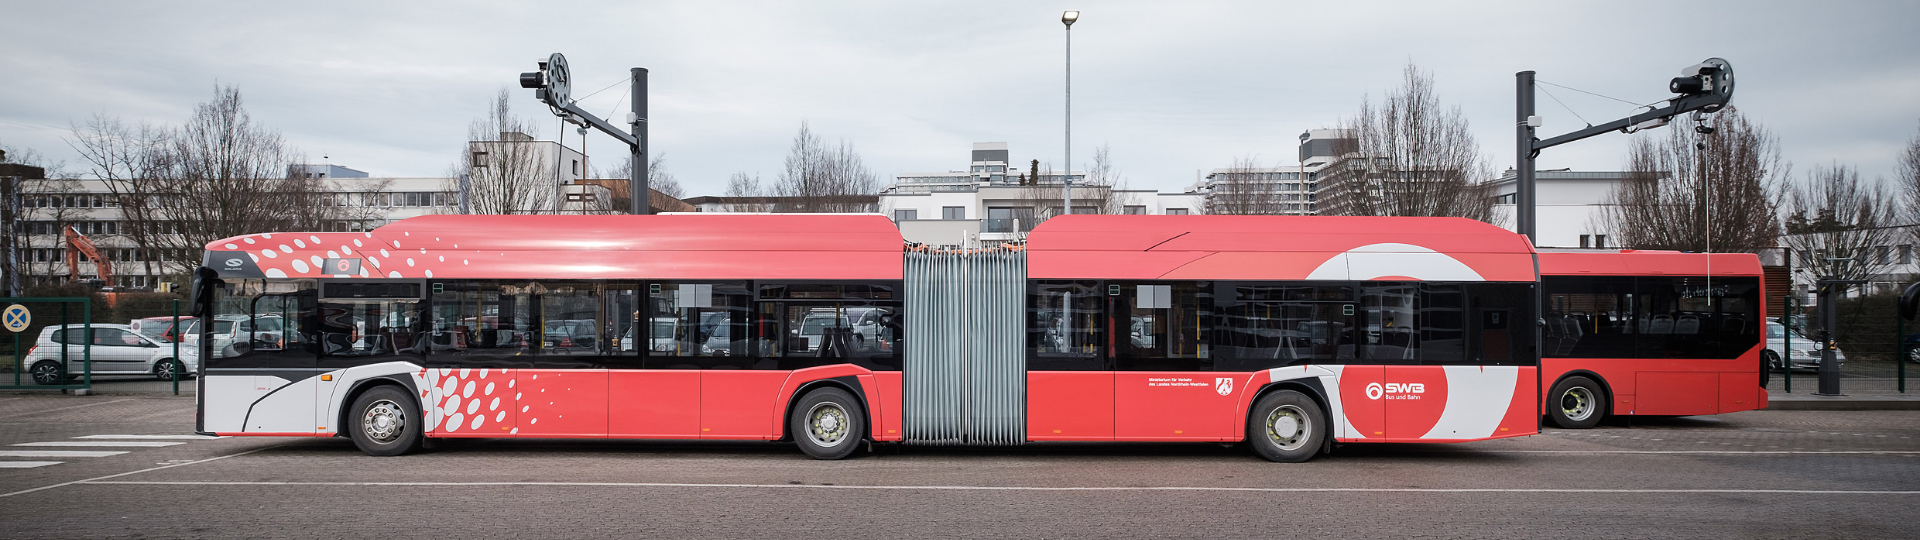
1172 87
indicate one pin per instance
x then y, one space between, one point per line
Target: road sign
16 318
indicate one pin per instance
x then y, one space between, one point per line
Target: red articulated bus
1650 333
1290 333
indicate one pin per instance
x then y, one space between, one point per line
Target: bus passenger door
287 375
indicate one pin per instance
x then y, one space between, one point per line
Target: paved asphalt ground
1760 474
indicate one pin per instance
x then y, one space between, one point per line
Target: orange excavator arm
77 244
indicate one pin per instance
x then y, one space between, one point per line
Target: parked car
162 328
1911 344
1806 352
266 331
116 349
571 334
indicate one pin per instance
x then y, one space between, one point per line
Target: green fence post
1899 347
1786 346
177 334
67 333
18 359
86 352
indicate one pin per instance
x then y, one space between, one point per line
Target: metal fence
41 313
1879 347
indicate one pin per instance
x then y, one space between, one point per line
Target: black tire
1766 368
828 423
48 372
398 434
1577 403
164 369
1913 355
1771 361
1287 427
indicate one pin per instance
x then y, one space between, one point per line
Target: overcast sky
1172 87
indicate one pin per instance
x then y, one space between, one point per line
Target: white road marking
1706 452
194 437
26 464
1027 488
71 407
57 453
148 469
123 444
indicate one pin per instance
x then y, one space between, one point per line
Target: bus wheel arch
361 387
848 384
1579 400
1259 405
828 422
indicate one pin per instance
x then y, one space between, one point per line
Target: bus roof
1276 248
718 246
1647 263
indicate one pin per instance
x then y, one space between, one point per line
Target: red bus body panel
1659 386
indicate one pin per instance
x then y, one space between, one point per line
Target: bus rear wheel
828 423
1287 427
1576 403
385 422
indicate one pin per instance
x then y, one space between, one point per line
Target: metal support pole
1829 366
1066 176
639 194
1523 200
1899 348
177 335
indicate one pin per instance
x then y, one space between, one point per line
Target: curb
1809 402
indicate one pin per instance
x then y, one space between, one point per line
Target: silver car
1806 352
116 350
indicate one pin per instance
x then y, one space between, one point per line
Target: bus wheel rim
1577 403
1288 427
827 424
384 421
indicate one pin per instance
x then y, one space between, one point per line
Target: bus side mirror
1910 301
200 296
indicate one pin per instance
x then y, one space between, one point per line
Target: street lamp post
1066 176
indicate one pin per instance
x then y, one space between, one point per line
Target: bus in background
1288 332
1650 333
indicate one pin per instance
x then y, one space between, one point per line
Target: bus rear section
1651 333
1102 328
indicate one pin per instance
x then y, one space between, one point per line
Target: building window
1600 241
1176 211
1885 256
906 215
1906 254
1584 240
953 212
479 159
1135 210
576 167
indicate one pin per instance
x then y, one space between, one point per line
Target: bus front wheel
1287 427
385 422
828 423
1576 403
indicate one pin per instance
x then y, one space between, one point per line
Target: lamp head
1069 17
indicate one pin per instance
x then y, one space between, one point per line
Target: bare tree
1839 225
216 176
1907 171
506 170
821 178
1245 189
747 192
44 210
1697 192
1411 156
